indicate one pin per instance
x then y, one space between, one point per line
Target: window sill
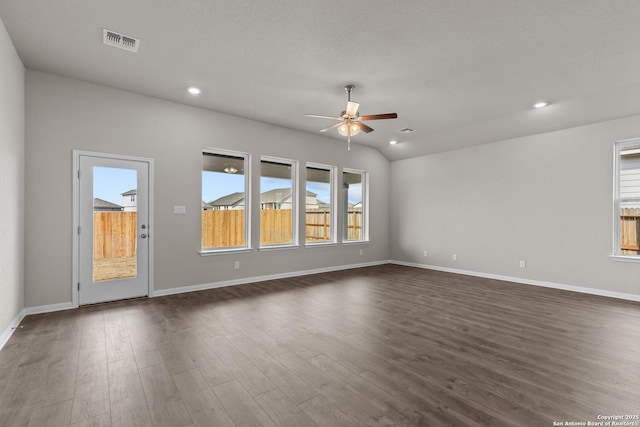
356 242
320 244
278 248
624 258
210 252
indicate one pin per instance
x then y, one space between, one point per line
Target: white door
113 228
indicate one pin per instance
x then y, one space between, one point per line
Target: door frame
75 258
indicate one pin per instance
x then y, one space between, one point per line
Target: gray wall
546 199
12 124
65 114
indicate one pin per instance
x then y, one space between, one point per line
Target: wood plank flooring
378 346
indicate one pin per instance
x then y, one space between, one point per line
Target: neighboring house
229 202
355 206
630 179
323 206
129 200
100 205
311 203
278 198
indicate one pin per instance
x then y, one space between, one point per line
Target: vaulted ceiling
461 73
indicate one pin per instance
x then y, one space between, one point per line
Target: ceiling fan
349 121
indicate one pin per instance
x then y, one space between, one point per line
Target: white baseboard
4 337
48 308
254 279
580 289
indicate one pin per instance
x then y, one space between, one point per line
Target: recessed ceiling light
393 142
540 104
194 90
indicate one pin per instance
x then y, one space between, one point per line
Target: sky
110 183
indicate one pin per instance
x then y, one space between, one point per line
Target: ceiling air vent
111 38
405 130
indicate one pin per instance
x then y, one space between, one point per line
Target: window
224 197
354 205
278 202
319 204
627 199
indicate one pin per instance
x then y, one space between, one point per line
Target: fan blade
323 117
352 109
335 125
364 127
380 116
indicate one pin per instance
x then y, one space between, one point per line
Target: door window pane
114 223
224 197
277 203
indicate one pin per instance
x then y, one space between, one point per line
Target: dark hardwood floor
386 345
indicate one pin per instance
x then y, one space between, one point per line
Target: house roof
459 73
228 200
103 204
277 195
130 192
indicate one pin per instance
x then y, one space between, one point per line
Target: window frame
332 204
619 147
295 203
365 208
247 201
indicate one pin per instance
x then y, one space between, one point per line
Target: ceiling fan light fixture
230 169
350 122
348 129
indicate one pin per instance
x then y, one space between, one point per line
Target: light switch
179 210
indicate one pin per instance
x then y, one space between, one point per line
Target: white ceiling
460 73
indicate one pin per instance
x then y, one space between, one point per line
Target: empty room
285 213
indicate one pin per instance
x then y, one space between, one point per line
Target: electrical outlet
361 252
236 265
455 257
523 264
425 253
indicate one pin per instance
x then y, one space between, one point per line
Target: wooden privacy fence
275 226
354 225
114 234
318 226
630 231
222 229
226 228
